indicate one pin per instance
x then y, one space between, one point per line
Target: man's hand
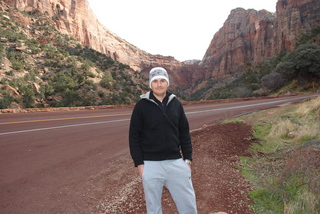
189 165
140 170
188 162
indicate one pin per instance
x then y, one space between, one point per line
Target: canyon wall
247 36
76 19
250 36
294 17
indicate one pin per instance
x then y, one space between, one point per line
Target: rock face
253 36
246 36
293 17
75 18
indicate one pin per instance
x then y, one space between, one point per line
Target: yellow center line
69 118
112 115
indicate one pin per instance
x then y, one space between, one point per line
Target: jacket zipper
162 110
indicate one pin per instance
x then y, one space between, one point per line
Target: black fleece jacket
159 131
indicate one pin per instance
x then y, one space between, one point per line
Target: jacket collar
148 96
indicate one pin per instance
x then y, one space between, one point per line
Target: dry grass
299 125
305 203
312 106
283 129
285 166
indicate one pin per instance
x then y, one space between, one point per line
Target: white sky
179 28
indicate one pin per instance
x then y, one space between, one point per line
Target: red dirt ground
218 184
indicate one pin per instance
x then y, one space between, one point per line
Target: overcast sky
179 28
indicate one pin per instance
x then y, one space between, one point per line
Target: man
160 146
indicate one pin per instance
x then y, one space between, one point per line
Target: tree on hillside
303 62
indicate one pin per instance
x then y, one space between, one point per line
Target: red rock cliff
252 36
76 19
293 17
246 36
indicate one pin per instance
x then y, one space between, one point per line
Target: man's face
159 86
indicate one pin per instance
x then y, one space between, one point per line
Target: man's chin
159 90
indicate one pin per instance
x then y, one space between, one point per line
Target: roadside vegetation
284 166
40 67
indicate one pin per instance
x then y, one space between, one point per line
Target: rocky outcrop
247 36
294 17
250 36
244 37
185 73
76 19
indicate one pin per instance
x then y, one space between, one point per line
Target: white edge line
59 127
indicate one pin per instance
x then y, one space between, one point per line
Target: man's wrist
188 161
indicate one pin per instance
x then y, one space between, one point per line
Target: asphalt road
49 156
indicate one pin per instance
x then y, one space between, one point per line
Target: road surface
51 162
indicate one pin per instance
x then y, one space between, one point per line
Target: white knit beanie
158 73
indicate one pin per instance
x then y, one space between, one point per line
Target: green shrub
71 99
2 52
46 90
273 81
6 100
302 62
63 83
32 43
106 80
28 97
88 82
89 74
101 94
17 65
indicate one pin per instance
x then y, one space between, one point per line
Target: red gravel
218 183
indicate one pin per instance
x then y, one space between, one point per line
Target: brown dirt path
218 183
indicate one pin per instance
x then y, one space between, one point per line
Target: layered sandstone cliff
247 36
294 17
76 19
244 37
250 36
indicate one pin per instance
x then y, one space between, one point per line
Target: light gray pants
175 175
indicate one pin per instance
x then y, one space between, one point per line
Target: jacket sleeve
135 132
184 135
